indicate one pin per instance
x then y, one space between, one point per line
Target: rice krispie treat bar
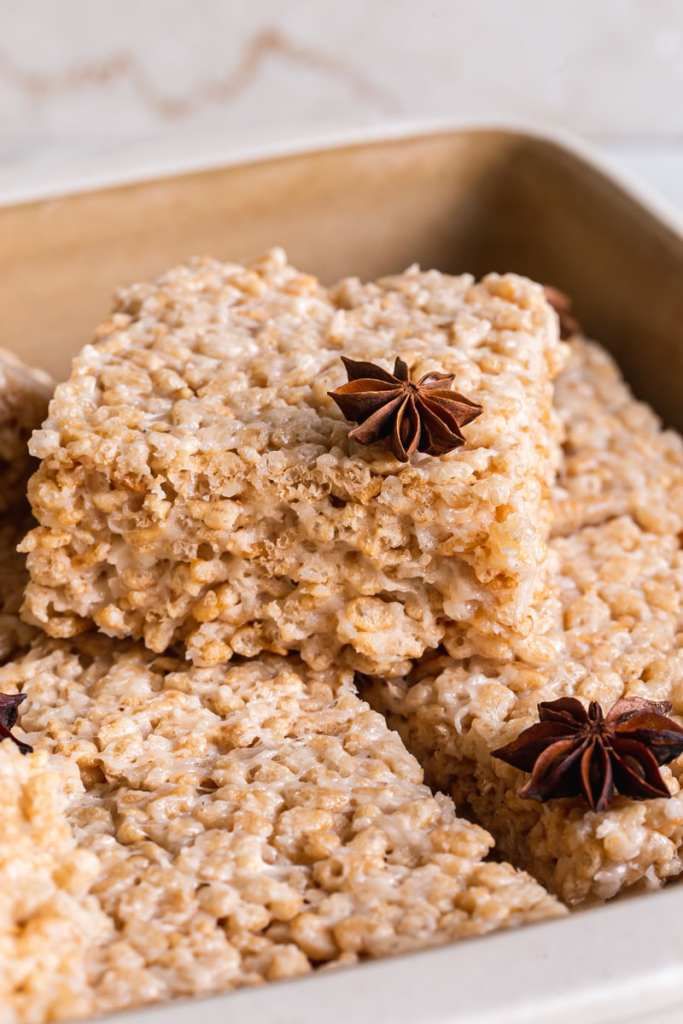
622 594
617 459
198 484
24 396
616 629
249 822
49 919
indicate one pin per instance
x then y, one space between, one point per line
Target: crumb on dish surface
617 620
197 483
243 823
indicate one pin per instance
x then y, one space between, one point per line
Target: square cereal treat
616 626
260 814
617 459
622 595
198 484
24 396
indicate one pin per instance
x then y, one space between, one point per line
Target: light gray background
120 79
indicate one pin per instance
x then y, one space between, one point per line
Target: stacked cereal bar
24 396
617 460
234 824
617 622
198 485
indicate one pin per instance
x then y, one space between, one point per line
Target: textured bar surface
616 628
242 824
49 918
617 460
197 483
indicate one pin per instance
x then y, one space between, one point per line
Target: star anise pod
575 751
423 415
9 704
562 305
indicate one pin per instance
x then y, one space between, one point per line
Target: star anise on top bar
9 704
575 751
562 305
411 416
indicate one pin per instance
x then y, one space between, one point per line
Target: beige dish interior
469 200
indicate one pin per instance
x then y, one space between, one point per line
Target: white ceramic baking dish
459 199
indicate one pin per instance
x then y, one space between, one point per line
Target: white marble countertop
122 86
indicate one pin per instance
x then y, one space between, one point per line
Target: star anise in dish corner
9 705
424 415
562 305
574 751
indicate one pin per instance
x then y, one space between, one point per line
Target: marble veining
127 68
80 80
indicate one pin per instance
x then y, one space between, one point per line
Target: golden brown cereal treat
614 628
622 599
49 919
198 484
617 459
24 396
251 822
